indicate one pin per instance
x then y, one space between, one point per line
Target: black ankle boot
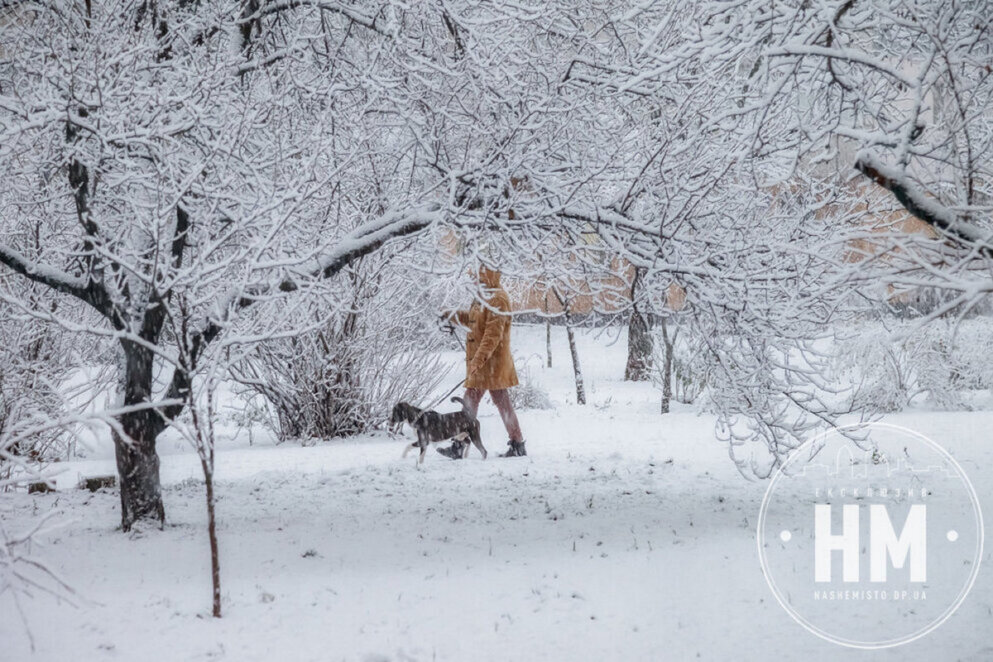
516 449
454 451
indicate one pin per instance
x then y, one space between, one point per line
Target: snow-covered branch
918 203
89 292
362 241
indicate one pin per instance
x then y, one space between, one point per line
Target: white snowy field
625 535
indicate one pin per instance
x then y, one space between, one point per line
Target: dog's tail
461 402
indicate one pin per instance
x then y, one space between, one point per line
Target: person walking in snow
489 365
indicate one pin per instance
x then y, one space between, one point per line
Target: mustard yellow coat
489 363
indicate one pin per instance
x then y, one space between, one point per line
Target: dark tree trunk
640 349
640 345
134 442
666 370
215 561
138 466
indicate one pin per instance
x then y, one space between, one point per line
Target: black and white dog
432 427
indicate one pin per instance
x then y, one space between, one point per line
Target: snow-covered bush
529 394
689 377
343 374
880 370
940 363
950 360
36 361
680 368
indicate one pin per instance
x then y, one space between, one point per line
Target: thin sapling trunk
573 350
666 369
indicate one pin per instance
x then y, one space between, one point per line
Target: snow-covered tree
145 151
874 93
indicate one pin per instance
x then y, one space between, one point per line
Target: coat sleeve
496 324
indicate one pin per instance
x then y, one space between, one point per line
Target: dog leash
451 329
439 400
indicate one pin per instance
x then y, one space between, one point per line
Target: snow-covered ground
625 535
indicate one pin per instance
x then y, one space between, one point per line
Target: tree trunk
666 370
640 345
548 340
215 561
134 442
138 467
640 348
580 389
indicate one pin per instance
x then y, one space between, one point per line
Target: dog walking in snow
460 427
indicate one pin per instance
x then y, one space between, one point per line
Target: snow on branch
917 203
355 16
371 236
39 273
802 50
59 281
362 241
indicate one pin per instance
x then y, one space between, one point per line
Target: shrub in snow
680 367
529 394
879 369
951 359
36 362
941 362
343 374
254 412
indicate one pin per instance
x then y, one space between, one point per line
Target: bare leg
472 398
478 440
501 398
